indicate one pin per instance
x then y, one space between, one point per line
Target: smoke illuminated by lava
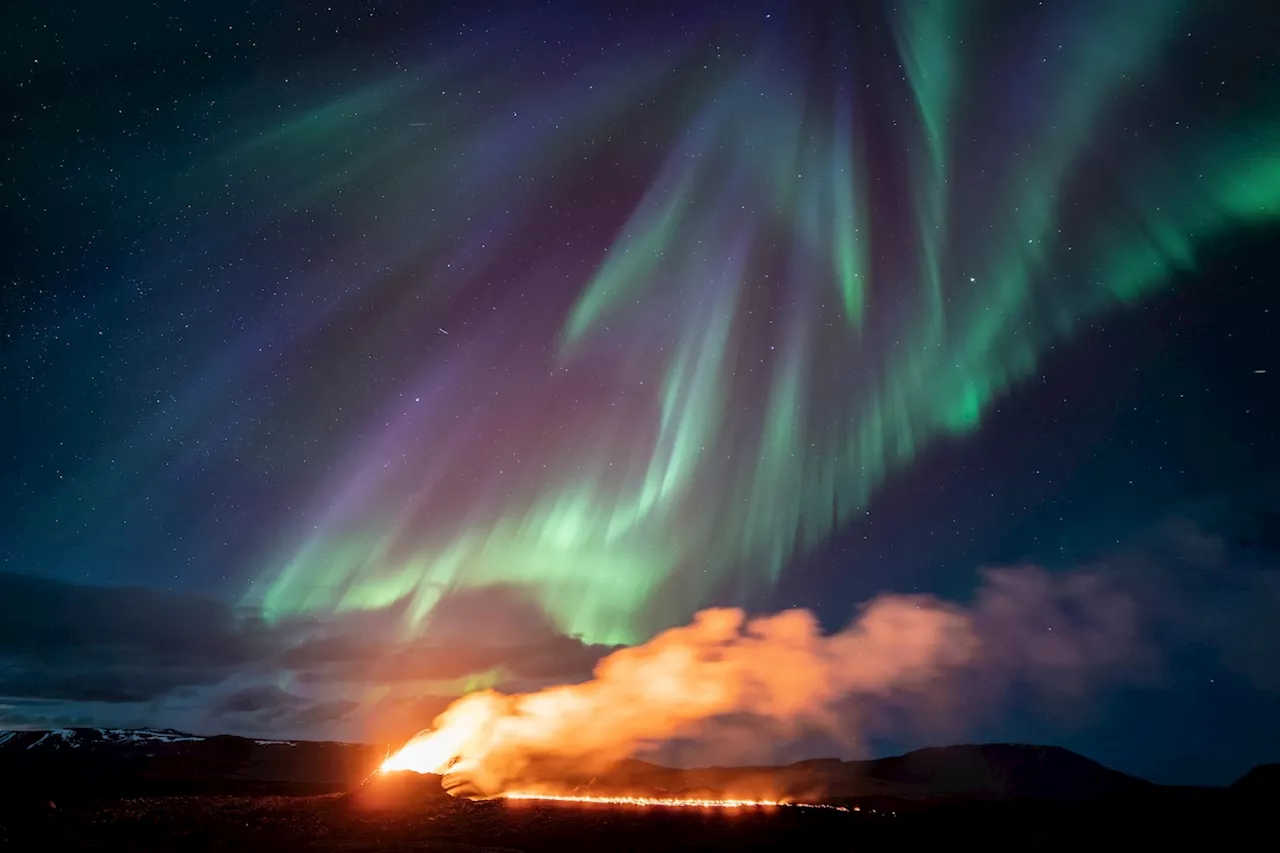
778 668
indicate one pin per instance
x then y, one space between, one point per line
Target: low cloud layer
86 655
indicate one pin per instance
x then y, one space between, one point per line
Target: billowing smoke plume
730 679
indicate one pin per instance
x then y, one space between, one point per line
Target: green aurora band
788 314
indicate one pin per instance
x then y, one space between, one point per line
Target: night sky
354 356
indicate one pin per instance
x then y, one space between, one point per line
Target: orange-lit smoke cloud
780 668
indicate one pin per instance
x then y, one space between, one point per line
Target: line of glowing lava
670 802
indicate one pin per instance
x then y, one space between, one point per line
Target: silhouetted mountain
979 772
999 771
1260 783
63 762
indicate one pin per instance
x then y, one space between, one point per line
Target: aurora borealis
339 314
826 271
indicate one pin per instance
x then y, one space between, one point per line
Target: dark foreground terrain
427 822
337 822
108 790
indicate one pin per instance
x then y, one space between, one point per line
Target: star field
344 312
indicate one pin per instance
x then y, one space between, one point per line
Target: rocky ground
339 822
423 820
71 790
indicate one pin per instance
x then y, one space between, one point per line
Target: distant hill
127 761
98 739
1261 782
987 771
999 771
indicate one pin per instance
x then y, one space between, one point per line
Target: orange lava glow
423 755
442 750
463 730
670 802
780 668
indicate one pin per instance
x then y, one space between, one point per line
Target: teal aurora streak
825 272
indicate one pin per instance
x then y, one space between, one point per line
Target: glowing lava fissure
416 755
669 802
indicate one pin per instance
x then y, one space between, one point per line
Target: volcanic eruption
779 670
